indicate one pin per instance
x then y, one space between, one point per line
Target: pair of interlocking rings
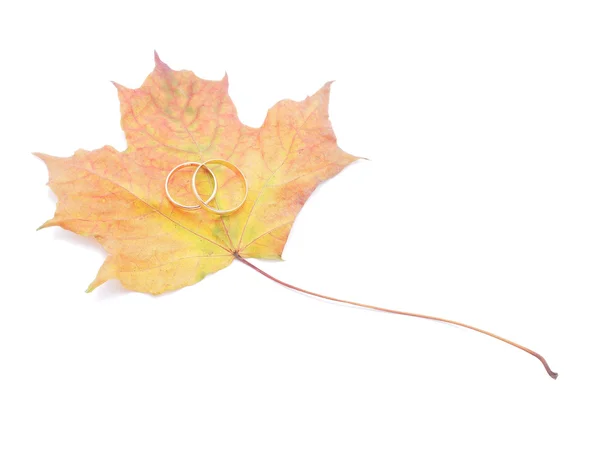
204 204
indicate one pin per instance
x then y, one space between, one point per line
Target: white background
480 204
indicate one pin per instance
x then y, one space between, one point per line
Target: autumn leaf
118 198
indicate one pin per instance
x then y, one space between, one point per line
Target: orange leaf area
118 198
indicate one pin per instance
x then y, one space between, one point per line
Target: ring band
232 167
187 164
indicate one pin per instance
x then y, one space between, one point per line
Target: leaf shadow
108 290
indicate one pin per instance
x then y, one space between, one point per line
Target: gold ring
186 164
231 166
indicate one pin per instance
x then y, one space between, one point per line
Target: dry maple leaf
118 198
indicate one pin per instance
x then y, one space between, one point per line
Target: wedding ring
187 164
233 168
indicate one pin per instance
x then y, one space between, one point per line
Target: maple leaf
118 198
175 117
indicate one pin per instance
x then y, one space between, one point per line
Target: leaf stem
554 375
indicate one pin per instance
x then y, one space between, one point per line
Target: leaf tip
119 87
42 156
225 80
46 224
323 93
158 63
107 271
327 86
93 285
